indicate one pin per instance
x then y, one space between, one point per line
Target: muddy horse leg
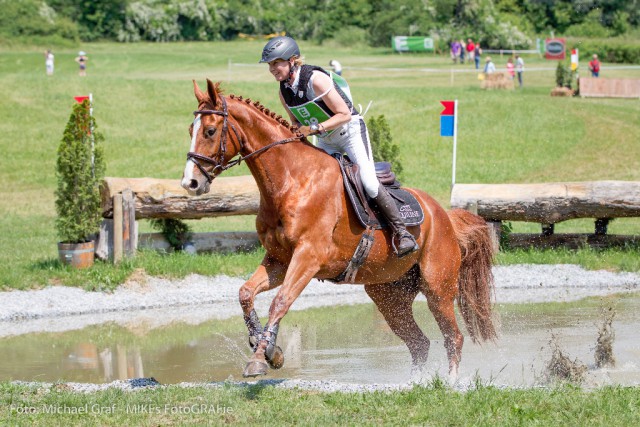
395 302
299 273
269 275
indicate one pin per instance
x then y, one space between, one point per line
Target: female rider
319 107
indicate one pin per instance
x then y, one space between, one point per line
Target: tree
79 170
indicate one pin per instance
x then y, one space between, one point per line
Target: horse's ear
213 89
200 96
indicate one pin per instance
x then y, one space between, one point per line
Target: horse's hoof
255 368
277 358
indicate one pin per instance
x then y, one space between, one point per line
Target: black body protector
293 99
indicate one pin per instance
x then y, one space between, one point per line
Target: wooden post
128 223
547 229
117 228
601 226
495 227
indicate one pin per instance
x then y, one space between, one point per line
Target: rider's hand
306 131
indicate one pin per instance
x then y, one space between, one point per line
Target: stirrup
400 236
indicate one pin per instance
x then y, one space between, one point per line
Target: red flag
449 108
79 99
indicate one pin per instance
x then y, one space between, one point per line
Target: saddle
366 209
368 213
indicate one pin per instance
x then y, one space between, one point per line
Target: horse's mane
278 118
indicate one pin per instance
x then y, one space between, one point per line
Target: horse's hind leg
440 287
395 302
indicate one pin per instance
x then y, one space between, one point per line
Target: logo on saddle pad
406 211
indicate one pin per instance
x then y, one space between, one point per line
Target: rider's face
280 69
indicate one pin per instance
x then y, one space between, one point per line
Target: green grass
143 103
259 404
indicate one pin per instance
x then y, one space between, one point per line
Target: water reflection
346 344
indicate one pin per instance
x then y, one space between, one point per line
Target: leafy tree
382 145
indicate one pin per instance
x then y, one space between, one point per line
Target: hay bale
562 91
497 81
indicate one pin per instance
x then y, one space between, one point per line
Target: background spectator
477 53
489 66
82 59
511 68
594 66
48 62
336 67
455 50
519 68
471 47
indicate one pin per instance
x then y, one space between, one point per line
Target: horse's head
212 143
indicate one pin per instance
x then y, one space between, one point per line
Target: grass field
143 100
258 404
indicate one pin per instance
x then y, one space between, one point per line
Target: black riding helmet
281 47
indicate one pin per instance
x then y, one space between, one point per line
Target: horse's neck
276 167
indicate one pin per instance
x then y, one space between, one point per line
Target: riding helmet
281 47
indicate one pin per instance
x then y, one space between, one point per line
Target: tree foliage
495 23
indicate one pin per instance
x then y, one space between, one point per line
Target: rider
319 107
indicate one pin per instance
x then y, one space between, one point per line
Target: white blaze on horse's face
189 181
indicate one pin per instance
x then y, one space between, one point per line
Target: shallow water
350 344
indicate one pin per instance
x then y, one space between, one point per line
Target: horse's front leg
270 274
301 270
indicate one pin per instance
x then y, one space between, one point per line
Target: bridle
217 162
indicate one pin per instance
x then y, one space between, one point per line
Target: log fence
125 200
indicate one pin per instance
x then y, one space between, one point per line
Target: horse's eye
191 130
210 132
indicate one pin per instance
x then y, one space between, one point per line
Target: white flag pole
455 142
93 168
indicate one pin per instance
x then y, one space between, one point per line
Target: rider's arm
342 114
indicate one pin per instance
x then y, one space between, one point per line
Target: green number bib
309 113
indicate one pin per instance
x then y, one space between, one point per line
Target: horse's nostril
193 184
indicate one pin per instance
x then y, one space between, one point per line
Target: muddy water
345 344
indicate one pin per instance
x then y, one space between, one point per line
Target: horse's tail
475 284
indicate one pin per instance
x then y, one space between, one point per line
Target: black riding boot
406 243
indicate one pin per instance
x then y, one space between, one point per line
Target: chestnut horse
310 230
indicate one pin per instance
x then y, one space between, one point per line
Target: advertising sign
555 49
412 44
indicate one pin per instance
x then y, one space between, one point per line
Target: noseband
197 158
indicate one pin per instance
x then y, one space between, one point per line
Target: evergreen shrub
79 170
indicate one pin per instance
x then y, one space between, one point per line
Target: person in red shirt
471 48
594 66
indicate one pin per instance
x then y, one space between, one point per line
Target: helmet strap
292 71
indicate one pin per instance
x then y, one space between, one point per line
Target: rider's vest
309 110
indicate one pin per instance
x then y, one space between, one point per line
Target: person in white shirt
519 68
48 62
489 67
336 66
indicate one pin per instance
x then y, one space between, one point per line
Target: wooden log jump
124 200
165 198
550 203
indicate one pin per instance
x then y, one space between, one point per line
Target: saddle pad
410 210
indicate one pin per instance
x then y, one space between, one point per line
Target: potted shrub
79 171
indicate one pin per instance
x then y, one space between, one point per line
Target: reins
196 158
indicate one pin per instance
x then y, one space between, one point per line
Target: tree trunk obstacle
550 203
125 200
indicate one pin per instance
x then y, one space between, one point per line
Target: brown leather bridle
217 162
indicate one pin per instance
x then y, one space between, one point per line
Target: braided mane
278 118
